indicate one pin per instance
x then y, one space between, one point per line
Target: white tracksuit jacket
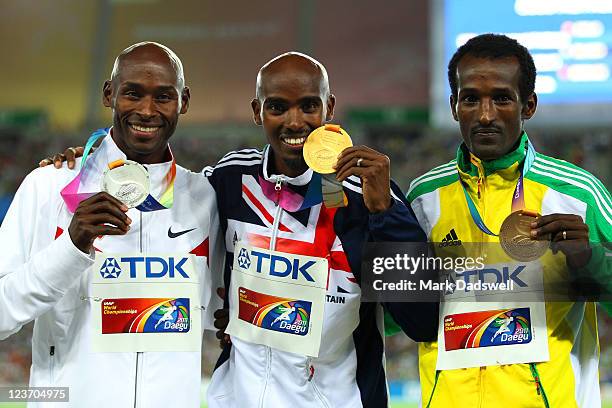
45 278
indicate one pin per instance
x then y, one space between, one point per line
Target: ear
529 108
331 104
453 106
256 106
185 96
107 92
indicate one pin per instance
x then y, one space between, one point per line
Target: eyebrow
308 98
496 89
163 88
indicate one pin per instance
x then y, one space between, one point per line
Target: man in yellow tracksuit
466 200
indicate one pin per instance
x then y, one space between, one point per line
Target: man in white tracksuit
100 283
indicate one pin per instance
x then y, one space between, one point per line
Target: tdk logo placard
110 269
155 267
275 264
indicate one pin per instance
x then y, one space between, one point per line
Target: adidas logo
451 239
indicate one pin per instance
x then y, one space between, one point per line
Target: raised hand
373 169
101 214
569 234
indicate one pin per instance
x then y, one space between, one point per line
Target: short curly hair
494 46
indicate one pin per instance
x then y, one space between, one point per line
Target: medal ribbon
70 193
72 197
322 188
518 198
166 199
291 201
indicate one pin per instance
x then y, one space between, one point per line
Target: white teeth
144 129
294 141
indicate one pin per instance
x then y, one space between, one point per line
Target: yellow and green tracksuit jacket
570 378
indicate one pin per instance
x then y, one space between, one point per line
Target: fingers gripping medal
515 237
321 152
127 181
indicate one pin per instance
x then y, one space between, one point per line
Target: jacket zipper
275 227
538 383
310 371
52 364
277 215
480 189
481 382
139 358
267 378
138 353
433 389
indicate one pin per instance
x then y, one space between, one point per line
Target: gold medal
515 237
323 146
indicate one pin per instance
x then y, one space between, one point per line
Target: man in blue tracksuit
263 201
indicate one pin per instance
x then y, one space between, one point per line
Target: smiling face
146 95
293 100
488 106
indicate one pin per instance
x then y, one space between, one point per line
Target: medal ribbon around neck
518 198
290 200
73 197
322 187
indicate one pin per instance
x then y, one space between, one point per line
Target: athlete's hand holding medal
568 233
525 235
329 149
101 214
125 184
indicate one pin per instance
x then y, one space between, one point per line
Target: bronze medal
515 237
323 146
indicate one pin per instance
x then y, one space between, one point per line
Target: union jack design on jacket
349 371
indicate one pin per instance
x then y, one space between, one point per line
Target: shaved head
149 48
295 60
292 99
146 93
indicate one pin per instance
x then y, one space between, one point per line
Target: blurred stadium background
386 64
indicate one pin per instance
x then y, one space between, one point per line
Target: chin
487 153
297 164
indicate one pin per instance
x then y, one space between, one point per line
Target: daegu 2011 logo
275 313
275 264
288 317
488 328
144 266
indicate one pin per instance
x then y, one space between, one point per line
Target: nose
294 120
146 108
487 112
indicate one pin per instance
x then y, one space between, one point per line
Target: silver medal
129 183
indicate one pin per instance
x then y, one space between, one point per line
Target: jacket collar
107 152
468 164
269 175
